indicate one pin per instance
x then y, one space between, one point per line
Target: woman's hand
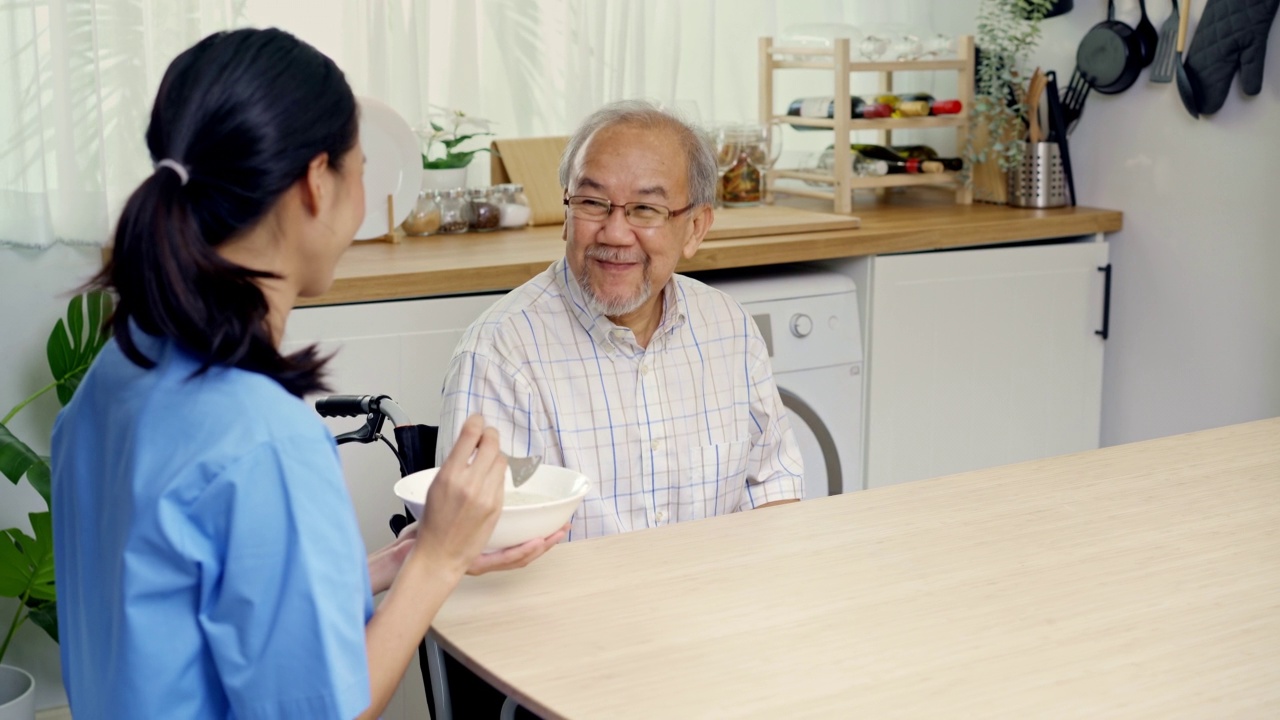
516 556
465 499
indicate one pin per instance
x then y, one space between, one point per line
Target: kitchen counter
922 220
1133 581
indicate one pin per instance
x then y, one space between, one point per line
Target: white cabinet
400 349
982 357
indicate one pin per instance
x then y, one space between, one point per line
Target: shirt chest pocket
716 480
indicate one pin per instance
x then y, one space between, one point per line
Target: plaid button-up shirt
688 428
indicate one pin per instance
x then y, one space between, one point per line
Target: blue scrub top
209 563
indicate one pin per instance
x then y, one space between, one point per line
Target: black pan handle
1106 302
1058 133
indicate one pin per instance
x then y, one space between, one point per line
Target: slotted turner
1162 67
522 468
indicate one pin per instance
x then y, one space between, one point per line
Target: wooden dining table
1140 580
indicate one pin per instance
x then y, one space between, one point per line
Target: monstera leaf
16 460
74 344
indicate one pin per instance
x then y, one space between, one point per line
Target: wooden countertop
922 220
1140 580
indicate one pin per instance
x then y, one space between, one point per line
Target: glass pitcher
744 154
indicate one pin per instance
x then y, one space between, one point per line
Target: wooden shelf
836 60
937 121
880 67
942 178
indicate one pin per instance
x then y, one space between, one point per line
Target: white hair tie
175 166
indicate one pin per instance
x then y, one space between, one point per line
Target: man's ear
314 182
699 224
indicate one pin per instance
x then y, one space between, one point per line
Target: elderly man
654 385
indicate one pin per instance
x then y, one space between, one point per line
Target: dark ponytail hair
244 113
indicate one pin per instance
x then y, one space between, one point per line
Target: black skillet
1110 55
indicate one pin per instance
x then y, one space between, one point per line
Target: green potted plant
26 561
444 164
1008 31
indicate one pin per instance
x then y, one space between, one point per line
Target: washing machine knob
801 325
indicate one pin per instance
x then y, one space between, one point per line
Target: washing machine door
822 473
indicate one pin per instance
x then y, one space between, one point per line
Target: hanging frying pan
1110 55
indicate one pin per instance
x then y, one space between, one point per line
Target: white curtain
78 77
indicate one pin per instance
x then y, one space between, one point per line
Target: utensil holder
1037 181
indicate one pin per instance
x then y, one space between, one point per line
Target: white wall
1195 315
1195 307
34 289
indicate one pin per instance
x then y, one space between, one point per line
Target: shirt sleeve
284 584
775 470
489 387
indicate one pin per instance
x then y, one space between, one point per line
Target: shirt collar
603 330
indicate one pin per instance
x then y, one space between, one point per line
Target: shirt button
655 445
661 516
644 369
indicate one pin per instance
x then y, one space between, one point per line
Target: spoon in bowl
522 468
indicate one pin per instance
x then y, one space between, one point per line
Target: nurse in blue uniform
208 559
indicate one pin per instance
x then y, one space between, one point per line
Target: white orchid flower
459 120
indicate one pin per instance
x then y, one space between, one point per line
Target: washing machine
809 319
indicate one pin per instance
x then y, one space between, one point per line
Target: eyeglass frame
626 210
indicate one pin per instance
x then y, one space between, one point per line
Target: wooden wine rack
836 59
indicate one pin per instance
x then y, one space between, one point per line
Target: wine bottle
913 164
874 164
918 104
825 107
924 152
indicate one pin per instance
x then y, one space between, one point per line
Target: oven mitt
1232 34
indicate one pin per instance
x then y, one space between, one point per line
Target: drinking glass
906 47
873 46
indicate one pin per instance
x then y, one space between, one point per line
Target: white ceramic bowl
538 508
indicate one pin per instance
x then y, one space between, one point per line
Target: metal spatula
1163 66
522 468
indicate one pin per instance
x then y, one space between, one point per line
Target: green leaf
15 570
44 613
16 458
436 126
62 357
41 478
26 563
40 551
72 346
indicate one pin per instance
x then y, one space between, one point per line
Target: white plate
393 166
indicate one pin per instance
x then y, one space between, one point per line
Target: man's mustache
615 255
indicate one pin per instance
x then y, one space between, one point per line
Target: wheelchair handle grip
346 405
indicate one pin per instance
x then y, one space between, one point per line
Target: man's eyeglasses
639 214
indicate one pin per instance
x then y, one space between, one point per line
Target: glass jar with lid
424 219
513 206
485 215
455 211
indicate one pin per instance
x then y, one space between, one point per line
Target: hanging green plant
1008 31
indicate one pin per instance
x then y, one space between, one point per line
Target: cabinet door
983 357
400 349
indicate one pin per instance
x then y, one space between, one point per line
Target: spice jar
513 206
485 215
424 219
742 184
455 211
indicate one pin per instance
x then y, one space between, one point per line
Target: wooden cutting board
775 220
535 163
